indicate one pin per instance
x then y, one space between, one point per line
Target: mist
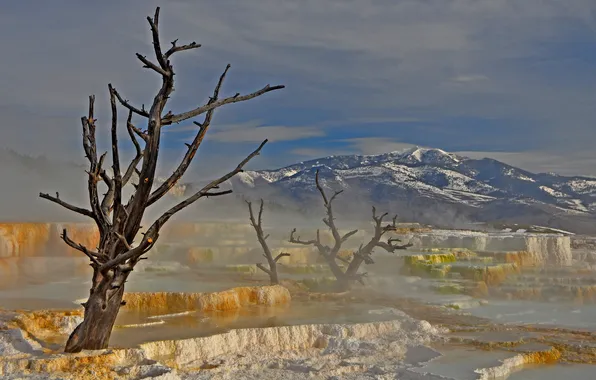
25 177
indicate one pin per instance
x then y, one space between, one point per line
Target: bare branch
115 158
95 170
390 247
140 133
130 107
146 244
347 236
150 65
260 220
261 267
217 193
330 220
176 49
335 195
108 199
123 240
320 188
154 23
93 256
299 241
233 99
283 254
205 191
76 209
192 148
139 153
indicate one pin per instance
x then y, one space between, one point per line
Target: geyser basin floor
461 364
556 372
61 294
538 313
291 352
134 328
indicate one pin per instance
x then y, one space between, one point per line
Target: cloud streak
468 75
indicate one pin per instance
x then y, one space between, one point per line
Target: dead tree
346 277
364 252
119 222
262 238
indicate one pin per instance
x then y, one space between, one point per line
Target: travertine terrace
247 334
554 249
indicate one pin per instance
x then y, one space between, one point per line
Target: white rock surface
548 248
344 351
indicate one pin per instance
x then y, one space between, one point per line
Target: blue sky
513 80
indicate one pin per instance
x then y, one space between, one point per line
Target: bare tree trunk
101 310
345 279
262 238
273 277
342 280
118 221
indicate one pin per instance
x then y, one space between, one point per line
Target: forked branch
116 254
206 191
139 152
116 232
283 254
329 220
93 256
257 224
207 107
175 48
66 205
126 103
192 148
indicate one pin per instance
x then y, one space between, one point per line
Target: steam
24 177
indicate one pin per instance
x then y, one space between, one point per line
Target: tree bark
273 277
257 224
101 310
119 222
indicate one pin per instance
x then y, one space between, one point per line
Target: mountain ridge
429 178
425 185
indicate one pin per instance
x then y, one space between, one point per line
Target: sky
508 79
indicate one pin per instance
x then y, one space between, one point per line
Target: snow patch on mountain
553 192
433 177
583 186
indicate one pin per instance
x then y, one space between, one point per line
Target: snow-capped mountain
428 181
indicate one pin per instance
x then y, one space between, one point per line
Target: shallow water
63 294
581 317
556 372
196 324
521 312
460 363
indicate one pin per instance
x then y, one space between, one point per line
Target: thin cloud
469 78
273 133
374 145
341 61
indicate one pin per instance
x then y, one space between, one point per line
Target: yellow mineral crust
85 365
40 239
48 324
230 299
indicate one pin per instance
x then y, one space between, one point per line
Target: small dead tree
346 277
119 222
262 238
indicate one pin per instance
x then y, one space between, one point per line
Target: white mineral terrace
289 352
548 248
183 320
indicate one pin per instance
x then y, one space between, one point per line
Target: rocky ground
366 350
414 341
